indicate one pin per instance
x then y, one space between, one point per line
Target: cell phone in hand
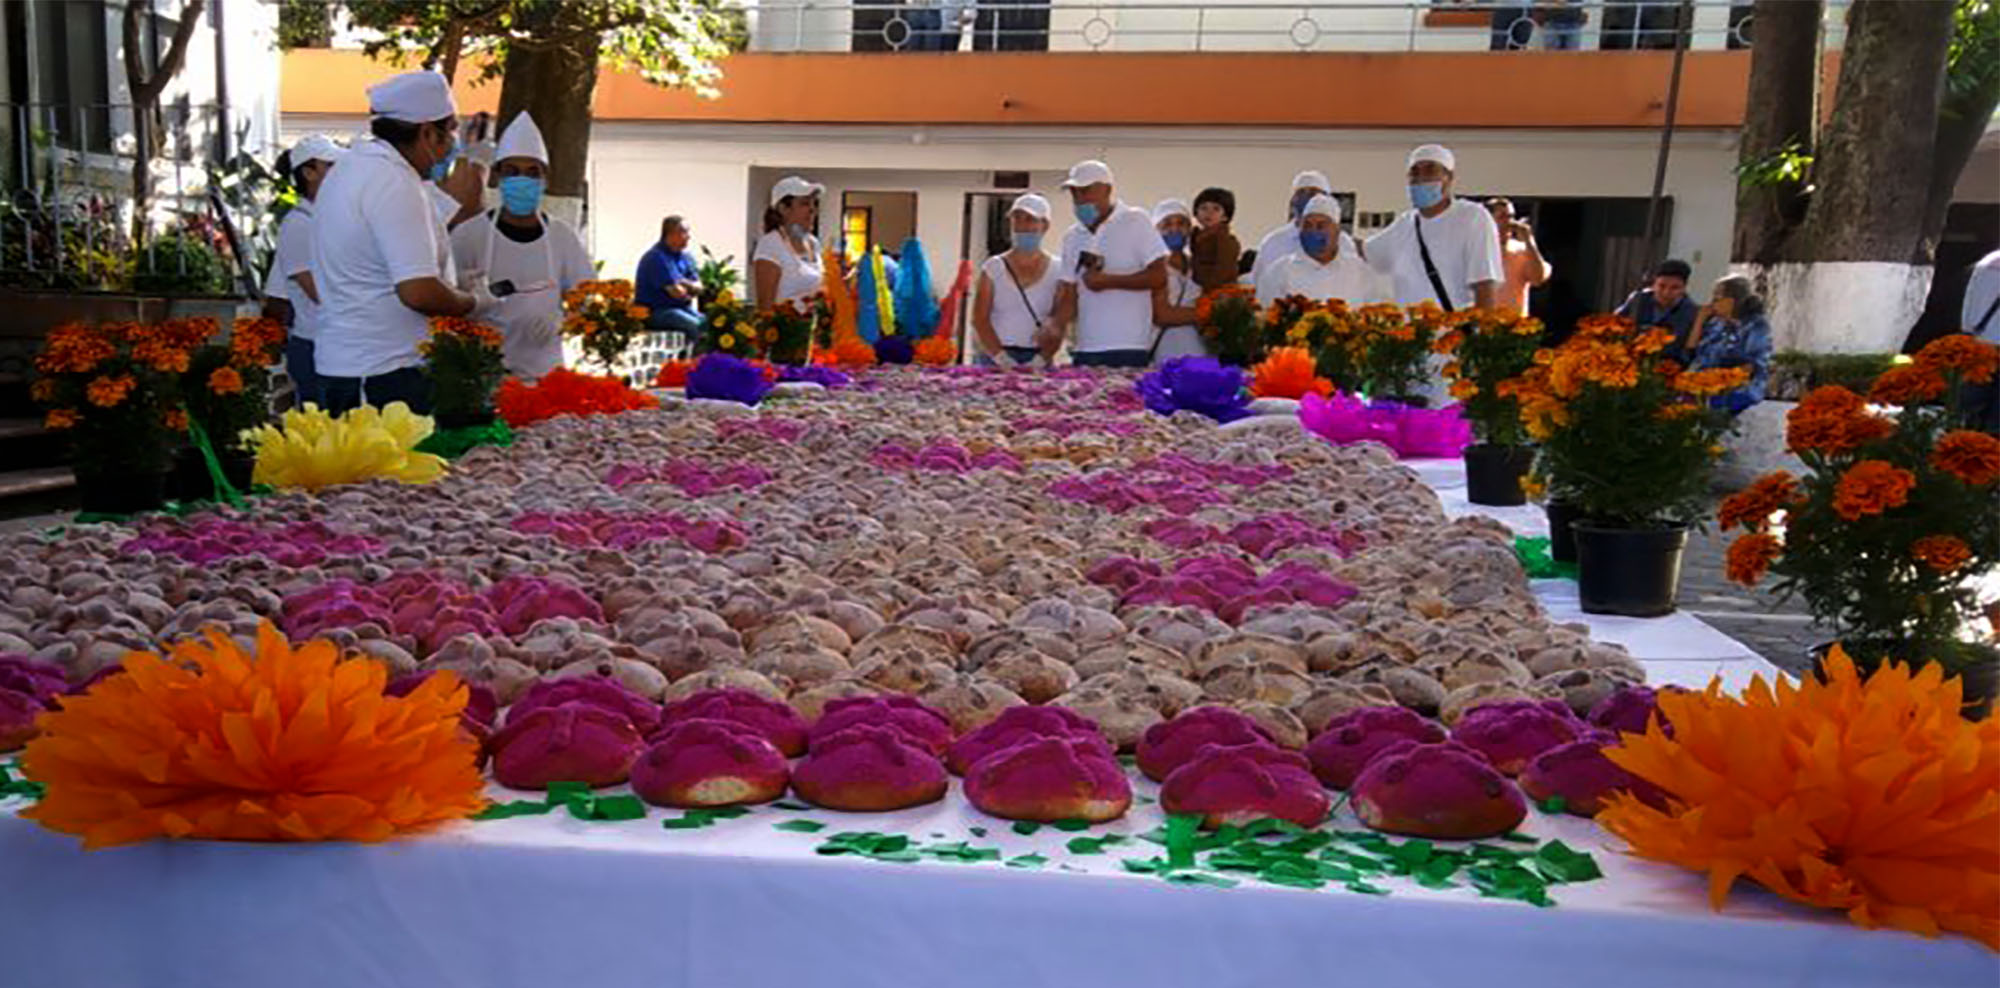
475 131
1090 261
502 289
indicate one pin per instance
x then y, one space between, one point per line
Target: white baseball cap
1311 180
316 147
412 97
1033 205
1170 207
792 187
1092 172
1322 205
1434 152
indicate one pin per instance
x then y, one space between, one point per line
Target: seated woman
1174 331
1734 333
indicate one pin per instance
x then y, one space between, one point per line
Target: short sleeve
405 231
1072 254
295 245
767 249
1482 247
1141 243
1381 248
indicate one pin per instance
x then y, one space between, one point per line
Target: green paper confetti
499 811
1562 863
1026 827
1071 826
1094 845
800 826
608 808
1517 837
1181 828
10 786
563 792
961 852
1554 805
1027 861
1197 878
978 831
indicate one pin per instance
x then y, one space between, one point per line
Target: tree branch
148 92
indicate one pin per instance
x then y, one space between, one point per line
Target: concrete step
38 480
21 429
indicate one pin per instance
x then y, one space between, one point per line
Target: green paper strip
1027 861
454 443
800 826
521 807
564 792
1197 878
1071 826
1094 845
1026 827
1554 805
787 804
1536 561
978 831
225 491
1181 828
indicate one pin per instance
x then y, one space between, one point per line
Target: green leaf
1181 829
1094 845
800 826
1554 805
1071 825
1517 837
1026 827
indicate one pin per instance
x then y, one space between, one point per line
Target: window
72 93
856 223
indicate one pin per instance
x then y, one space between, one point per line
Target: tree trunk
145 91
554 84
1782 110
1961 123
1874 160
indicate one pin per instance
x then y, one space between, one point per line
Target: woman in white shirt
289 293
1174 329
1014 305
786 263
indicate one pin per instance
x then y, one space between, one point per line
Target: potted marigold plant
1228 320
603 319
465 362
1488 350
1629 439
727 327
1331 335
1394 346
1281 315
113 388
226 392
785 333
1896 520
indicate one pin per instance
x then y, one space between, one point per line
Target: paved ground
1781 633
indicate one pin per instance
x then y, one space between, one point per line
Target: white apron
530 320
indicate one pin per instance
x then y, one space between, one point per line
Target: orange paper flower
108 392
1973 457
1871 487
1944 553
1873 797
566 392
673 374
225 381
1749 558
1288 373
283 745
936 351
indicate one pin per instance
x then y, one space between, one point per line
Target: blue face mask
520 194
1175 240
442 167
1314 241
1027 240
1087 213
1424 195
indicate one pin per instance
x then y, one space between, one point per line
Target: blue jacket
658 269
1742 343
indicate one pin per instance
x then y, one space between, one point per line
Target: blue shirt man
1666 304
668 282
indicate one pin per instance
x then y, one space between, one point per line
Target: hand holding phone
502 289
1090 261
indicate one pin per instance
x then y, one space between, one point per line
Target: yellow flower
727 341
316 450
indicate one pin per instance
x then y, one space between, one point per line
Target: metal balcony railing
940 26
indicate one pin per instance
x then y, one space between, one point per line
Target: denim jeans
685 321
407 385
1113 358
299 367
1021 354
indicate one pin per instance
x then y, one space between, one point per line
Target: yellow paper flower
1873 797
316 450
282 745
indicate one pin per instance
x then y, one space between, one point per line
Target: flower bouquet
1329 334
603 318
1488 350
315 450
1629 439
1228 320
728 327
1888 533
1394 347
464 362
786 332
114 389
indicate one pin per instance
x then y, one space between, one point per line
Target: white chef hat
1033 205
522 139
1311 180
413 97
316 147
1434 152
792 187
1087 173
1322 205
1170 207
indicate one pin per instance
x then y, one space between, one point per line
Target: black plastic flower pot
1562 540
1493 474
1632 572
121 492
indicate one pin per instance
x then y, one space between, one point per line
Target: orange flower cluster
1944 553
673 374
225 381
1714 381
175 419
1833 420
566 392
1288 372
461 328
1874 797
1965 355
1205 305
256 342
1971 456
1753 506
1907 385
597 292
109 392
851 351
1606 363
282 745
936 351
1871 487
1750 557
60 418
75 349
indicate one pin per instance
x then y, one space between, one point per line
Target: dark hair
670 224
401 133
1221 197
1738 287
1246 261
775 220
1673 268
1498 201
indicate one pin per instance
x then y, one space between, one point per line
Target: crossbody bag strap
1431 268
1979 328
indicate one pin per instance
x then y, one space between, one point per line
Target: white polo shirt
291 258
1283 242
373 227
1347 277
1463 242
1120 319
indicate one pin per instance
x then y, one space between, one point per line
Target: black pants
407 385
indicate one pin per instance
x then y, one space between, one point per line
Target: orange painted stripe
1344 89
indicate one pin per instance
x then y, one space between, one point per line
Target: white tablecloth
550 900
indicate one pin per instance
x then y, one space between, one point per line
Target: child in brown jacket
1215 249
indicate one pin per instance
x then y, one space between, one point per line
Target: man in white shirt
1283 241
381 252
1325 268
290 295
1442 250
526 258
1112 260
1980 316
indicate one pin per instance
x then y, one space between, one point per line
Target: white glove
484 302
1040 362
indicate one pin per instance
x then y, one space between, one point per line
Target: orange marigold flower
1944 553
225 381
1871 487
935 351
1464 390
109 392
1974 360
1753 506
1906 385
1750 556
60 418
279 744
1653 341
1971 456
43 390
1714 381
174 419
1871 796
1832 419
673 374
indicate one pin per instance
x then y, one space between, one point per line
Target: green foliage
1794 372
304 24
179 263
1972 64
718 275
1788 165
82 248
224 416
